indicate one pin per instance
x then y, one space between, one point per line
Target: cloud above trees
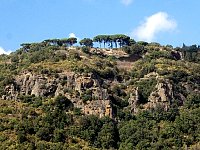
72 35
2 51
153 25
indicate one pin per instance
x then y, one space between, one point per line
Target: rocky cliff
75 87
87 91
161 96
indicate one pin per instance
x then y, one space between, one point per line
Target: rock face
98 107
161 96
86 91
72 85
134 100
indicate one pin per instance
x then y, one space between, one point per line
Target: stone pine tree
86 42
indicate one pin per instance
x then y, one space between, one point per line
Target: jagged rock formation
72 85
162 96
134 100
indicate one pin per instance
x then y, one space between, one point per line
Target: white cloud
2 51
72 35
126 2
159 22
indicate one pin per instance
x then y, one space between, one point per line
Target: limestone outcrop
162 96
72 85
134 100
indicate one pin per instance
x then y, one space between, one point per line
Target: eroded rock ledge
85 91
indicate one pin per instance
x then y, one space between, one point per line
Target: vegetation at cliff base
123 95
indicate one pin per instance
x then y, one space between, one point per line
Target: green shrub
145 88
77 111
192 101
85 49
136 49
74 56
63 103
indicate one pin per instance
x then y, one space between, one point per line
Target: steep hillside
138 96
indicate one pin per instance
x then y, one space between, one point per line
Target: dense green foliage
49 122
86 42
51 126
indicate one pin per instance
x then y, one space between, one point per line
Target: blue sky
165 21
